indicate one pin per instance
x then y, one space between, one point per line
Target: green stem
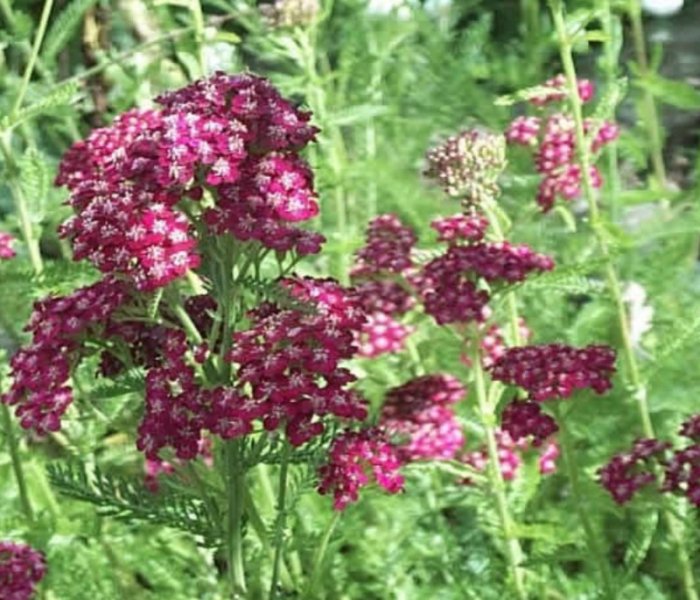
610 24
633 372
17 465
320 555
595 548
198 19
29 69
651 114
281 519
185 319
21 204
235 492
514 554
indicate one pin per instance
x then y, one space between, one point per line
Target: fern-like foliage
63 28
123 498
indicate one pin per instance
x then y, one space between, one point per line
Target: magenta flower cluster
6 243
419 418
42 369
553 141
551 371
21 569
652 461
230 139
355 460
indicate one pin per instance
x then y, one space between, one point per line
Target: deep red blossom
524 419
42 369
290 359
355 460
419 418
691 428
21 569
6 242
388 246
382 295
682 473
233 135
629 472
555 370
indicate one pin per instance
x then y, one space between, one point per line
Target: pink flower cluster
42 369
6 242
510 456
419 418
382 334
21 569
493 344
554 370
461 227
231 137
628 472
553 141
557 92
355 460
290 359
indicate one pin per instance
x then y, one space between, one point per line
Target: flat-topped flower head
551 371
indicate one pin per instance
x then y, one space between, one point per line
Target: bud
290 13
468 165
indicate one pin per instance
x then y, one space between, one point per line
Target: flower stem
595 548
633 373
29 69
17 465
320 555
650 112
235 488
21 204
514 554
281 518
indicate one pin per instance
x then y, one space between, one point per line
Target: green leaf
34 180
60 96
358 114
640 542
63 28
632 197
669 91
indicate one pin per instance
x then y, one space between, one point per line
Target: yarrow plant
6 246
211 181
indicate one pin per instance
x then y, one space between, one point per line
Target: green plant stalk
610 71
511 299
29 69
634 378
320 555
21 204
335 147
651 114
198 20
514 553
281 520
235 492
17 467
595 547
